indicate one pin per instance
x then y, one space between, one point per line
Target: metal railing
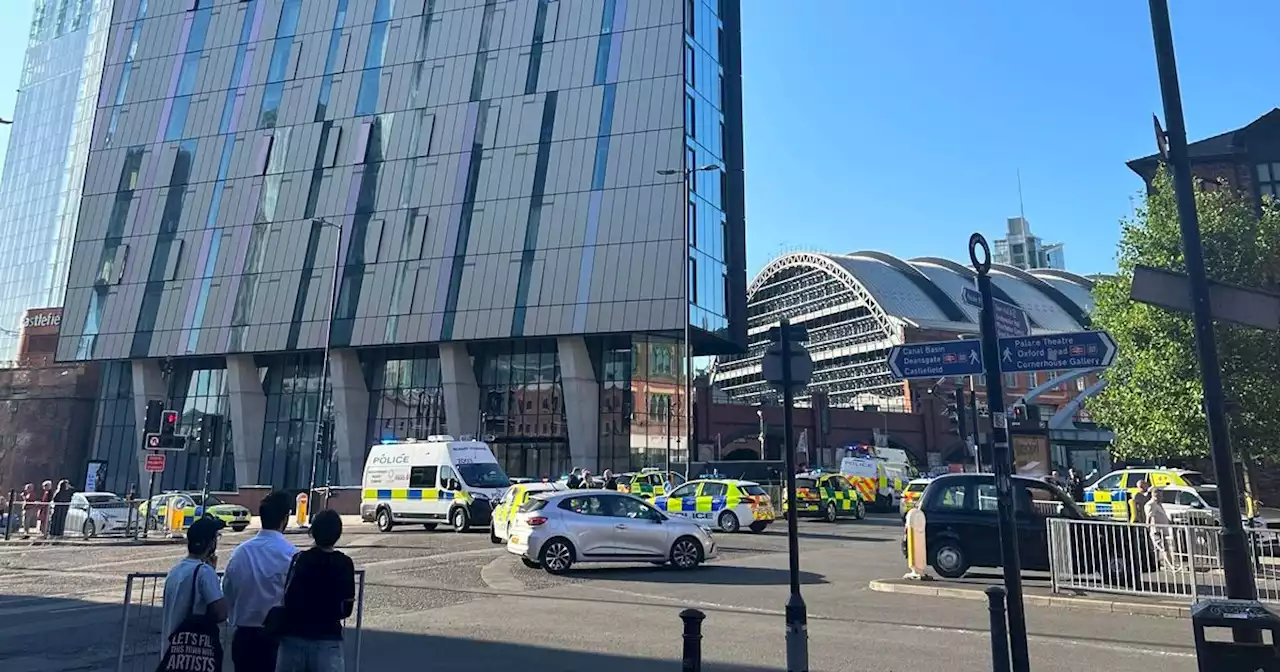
69 520
1181 561
142 640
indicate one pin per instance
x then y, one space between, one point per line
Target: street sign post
936 360
1057 352
154 463
1011 321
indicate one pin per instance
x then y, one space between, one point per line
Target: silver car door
590 529
638 529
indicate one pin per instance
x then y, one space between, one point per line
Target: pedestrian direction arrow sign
1011 321
936 360
1057 352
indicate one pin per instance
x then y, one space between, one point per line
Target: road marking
428 558
497 575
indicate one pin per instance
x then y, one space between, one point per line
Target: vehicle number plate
515 540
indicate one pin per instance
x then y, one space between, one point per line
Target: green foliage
1154 400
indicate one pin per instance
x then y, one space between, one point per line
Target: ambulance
880 476
439 480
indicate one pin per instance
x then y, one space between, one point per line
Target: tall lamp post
687 408
323 437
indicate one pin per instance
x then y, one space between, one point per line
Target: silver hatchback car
557 529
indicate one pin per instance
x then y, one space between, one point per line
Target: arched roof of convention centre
925 291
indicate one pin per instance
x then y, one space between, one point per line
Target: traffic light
209 438
953 416
166 437
151 424
1018 413
168 423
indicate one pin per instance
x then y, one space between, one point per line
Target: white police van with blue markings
441 479
721 503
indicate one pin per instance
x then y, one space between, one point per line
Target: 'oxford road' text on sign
1057 352
935 360
1011 321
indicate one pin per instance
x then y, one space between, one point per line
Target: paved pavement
458 600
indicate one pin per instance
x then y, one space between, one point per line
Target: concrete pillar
148 384
350 418
461 393
248 416
581 401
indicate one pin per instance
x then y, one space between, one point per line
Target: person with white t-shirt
202 550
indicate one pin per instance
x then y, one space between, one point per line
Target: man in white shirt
254 583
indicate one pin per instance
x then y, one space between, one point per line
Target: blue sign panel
936 360
1057 352
1011 321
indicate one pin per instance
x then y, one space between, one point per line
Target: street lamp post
320 447
687 408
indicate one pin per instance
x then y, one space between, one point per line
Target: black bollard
692 659
999 630
8 515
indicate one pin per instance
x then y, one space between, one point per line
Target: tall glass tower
48 151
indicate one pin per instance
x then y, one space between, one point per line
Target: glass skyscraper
48 149
399 218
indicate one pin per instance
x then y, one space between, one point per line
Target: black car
961 530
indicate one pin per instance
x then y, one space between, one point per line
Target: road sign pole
796 617
151 492
1002 459
973 409
1235 558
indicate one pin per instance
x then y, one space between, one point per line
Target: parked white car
95 513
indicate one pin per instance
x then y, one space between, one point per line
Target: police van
441 479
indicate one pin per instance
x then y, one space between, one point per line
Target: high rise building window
690 10
690 117
690 75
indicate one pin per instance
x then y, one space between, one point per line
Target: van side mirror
1197 504
454 485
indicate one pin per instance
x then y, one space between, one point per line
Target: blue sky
901 126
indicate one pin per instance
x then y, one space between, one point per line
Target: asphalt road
438 600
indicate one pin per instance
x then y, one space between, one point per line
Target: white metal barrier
141 638
1153 560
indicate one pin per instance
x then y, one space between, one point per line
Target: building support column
581 401
461 393
350 417
148 384
248 417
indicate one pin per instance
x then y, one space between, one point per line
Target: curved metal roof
926 291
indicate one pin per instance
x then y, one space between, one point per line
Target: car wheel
759 526
428 526
949 560
89 530
728 521
493 535
556 556
531 564
831 514
460 520
859 510
686 553
239 528
385 524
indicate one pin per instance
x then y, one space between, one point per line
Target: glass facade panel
522 407
704 124
405 395
292 385
48 148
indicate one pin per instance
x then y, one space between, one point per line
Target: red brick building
1247 158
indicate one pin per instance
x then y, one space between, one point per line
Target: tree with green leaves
1153 400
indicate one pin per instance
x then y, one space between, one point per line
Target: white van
437 480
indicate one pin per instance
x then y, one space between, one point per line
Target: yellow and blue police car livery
233 515
504 513
724 504
826 496
1112 495
646 483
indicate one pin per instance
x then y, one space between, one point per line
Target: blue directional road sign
936 360
1011 321
1057 352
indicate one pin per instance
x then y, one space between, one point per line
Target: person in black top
319 594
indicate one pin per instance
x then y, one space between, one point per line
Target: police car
504 512
723 504
648 482
826 495
1109 497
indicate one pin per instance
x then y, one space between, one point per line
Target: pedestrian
46 500
30 507
320 595
1075 483
191 586
61 502
1138 505
1159 527
586 479
574 481
254 583
610 481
